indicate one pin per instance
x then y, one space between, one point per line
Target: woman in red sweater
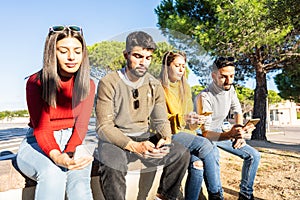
60 100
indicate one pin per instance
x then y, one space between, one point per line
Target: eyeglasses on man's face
60 28
135 95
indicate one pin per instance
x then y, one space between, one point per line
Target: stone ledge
16 186
12 178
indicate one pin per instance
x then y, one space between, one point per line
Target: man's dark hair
141 39
221 62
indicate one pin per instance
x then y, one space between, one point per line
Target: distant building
280 114
284 113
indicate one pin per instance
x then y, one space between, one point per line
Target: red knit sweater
45 119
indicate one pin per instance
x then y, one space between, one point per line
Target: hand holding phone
191 118
250 125
252 121
207 113
159 152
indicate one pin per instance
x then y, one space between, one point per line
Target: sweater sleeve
83 112
39 116
106 128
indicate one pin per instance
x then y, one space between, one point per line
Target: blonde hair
168 58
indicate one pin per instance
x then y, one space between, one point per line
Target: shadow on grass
236 193
275 146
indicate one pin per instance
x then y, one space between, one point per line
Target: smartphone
167 145
207 113
252 121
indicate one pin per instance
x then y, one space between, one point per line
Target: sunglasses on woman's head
60 28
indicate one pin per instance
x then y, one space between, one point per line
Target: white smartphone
84 150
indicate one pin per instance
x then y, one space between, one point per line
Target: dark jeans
113 169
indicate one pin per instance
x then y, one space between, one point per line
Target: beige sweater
116 117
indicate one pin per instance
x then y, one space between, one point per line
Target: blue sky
24 26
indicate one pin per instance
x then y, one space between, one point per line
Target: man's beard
135 71
227 89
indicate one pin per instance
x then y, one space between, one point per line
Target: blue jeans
53 181
251 159
200 148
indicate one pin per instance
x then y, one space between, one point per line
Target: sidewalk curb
275 133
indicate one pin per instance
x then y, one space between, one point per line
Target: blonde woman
184 122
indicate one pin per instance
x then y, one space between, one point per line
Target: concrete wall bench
16 186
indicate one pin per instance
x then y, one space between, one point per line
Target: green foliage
288 83
9 114
250 30
108 56
196 89
246 97
273 97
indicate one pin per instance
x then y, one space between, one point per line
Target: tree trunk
260 102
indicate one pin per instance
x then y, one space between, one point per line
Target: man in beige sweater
126 102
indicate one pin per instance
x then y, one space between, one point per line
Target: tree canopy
253 31
288 83
108 56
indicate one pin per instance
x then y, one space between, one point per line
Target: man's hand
148 149
162 148
163 141
236 131
140 147
249 128
238 143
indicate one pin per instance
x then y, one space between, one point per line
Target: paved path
12 134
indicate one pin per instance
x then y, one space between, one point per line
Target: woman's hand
201 119
63 160
194 118
191 118
81 162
